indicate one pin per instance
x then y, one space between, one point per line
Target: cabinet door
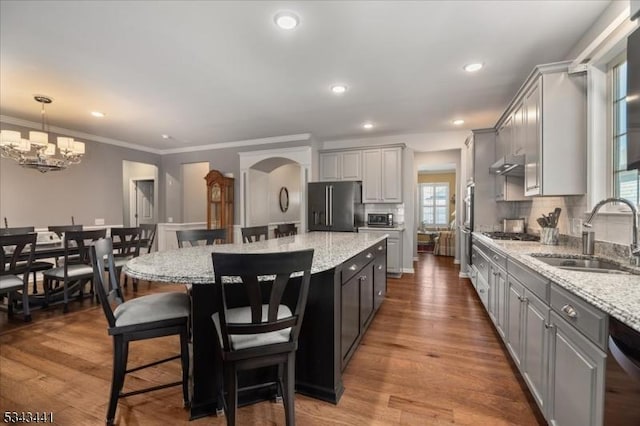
379 278
493 291
350 314
576 377
371 176
513 326
366 294
330 166
535 347
391 167
394 255
518 130
500 300
533 141
351 168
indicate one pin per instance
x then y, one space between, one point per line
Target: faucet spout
635 249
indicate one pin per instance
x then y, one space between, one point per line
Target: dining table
319 359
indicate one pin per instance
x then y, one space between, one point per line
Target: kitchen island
348 284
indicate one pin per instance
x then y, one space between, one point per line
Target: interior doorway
140 189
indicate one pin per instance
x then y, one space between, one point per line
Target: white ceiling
211 72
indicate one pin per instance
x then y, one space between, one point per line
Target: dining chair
76 269
265 331
12 248
36 265
148 236
196 236
252 234
61 229
285 230
141 318
127 242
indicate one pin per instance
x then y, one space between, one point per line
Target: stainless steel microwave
380 219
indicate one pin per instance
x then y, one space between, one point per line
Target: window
626 184
434 204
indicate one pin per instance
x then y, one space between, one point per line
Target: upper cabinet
547 124
379 169
341 165
382 175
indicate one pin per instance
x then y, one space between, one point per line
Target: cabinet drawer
537 284
497 259
357 262
587 319
483 292
481 263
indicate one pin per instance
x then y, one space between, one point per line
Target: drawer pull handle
379 267
481 290
473 256
380 248
495 257
523 299
363 277
548 326
570 311
353 267
495 274
369 256
380 293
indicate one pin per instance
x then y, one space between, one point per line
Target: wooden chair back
286 230
12 248
253 233
264 278
60 229
127 241
196 236
107 285
16 231
148 234
76 246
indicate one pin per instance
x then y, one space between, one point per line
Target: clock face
215 192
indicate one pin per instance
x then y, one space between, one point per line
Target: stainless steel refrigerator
335 206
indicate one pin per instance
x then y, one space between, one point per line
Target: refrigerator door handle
330 205
326 206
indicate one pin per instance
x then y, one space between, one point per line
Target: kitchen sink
584 265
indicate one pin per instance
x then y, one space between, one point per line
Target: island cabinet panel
350 314
366 295
380 275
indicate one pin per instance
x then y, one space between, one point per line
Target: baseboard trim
456 261
408 270
463 275
415 259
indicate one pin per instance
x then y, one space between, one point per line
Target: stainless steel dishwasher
622 378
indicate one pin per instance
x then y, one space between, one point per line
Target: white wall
258 198
194 192
284 176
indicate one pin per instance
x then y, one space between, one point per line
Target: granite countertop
616 294
192 265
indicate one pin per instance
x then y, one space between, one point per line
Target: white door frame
301 155
132 197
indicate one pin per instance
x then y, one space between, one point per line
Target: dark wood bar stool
252 234
196 236
128 246
286 230
11 249
265 331
145 317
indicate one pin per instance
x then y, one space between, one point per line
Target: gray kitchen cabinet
576 377
518 134
533 146
535 347
382 175
393 250
513 320
340 165
498 298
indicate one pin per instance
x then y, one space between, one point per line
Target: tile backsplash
611 227
396 209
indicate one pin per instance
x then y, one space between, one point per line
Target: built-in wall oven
467 224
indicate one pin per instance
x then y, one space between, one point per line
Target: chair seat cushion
74 271
10 282
154 307
119 262
242 315
35 266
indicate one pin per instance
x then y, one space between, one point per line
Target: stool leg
120 353
289 391
232 394
184 352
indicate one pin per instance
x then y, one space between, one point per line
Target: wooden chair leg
25 304
231 384
289 390
120 354
65 297
35 283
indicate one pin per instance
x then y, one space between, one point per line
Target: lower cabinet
380 276
393 248
366 294
556 339
576 377
350 314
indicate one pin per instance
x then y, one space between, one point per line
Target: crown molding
300 137
77 134
248 142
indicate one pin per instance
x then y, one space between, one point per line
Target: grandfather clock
220 202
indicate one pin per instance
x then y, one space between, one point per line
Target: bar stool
253 233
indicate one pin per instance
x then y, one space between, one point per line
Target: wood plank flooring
430 357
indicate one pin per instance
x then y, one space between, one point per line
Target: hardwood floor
430 357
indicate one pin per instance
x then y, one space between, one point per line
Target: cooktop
516 236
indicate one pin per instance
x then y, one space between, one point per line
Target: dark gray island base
343 299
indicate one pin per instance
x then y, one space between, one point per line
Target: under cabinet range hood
510 165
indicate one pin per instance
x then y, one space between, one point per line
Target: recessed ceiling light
286 20
98 114
458 122
473 67
367 126
338 89
165 136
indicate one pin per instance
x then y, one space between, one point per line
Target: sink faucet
588 236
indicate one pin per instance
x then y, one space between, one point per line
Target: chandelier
36 152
